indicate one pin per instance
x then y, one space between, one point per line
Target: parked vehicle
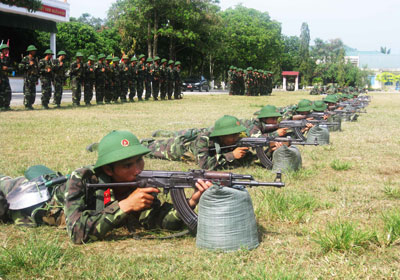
195 83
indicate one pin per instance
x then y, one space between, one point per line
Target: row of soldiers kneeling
249 82
111 77
91 215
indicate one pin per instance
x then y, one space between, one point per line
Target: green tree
31 5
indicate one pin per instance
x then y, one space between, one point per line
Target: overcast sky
363 24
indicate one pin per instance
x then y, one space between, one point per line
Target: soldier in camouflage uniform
132 79
46 76
230 76
250 82
108 95
163 79
59 77
124 72
76 74
156 73
140 76
30 66
89 79
5 89
170 79
90 215
148 78
116 78
100 73
46 212
177 81
241 83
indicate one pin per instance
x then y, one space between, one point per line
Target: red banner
53 11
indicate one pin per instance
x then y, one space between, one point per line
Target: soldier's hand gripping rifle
175 182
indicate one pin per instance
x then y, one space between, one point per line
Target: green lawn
327 223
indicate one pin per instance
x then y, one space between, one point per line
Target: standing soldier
89 79
249 81
46 76
100 73
178 82
116 79
156 77
140 76
59 77
270 83
230 76
5 89
132 79
76 74
148 78
30 66
233 82
170 80
163 78
124 77
241 84
108 95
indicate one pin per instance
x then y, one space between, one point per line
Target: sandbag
226 220
319 134
286 159
335 118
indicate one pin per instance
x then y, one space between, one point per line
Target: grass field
337 218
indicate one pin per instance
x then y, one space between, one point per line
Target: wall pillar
53 44
296 87
284 83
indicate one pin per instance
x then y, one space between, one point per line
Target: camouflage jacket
100 73
132 72
254 129
140 71
124 72
31 72
211 156
76 73
59 71
170 74
156 73
177 74
89 72
44 66
90 215
109 74
250 79
4 61
116 74
163 73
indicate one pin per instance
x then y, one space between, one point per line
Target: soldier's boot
45 106
131 100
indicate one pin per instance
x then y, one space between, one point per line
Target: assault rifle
175 182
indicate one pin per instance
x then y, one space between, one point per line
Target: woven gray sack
286 159
320 133
226 220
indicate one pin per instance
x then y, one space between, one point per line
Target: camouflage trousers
88 91
100 91
116 89
148 89
76 86
5 93
29 92
170 89
163 89
108 92
169 149
156 88
140 88
132 90
124 90
46 90
178 90
58 91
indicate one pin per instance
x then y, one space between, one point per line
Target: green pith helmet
134 58
269 111
250 69
149 59
118 145
92 57
157 58
330 99
163 60
177 63
4 46
109 57
61 53
125 56
116 59
319 106
48 51
234 68
79 54
170 62
240 70
227 125
304 106
231 67
31 48
141 56
102 55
